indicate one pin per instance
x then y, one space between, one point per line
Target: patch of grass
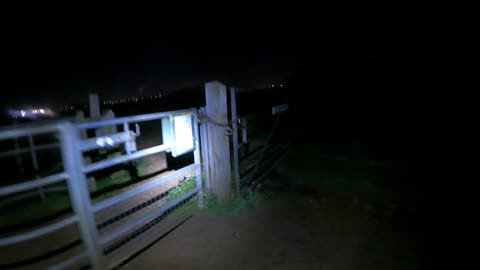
34 209
142 166
332 176
183 187
236 205
28 211
108 194
211 205
116 178
345 171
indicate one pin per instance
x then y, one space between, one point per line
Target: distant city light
30 113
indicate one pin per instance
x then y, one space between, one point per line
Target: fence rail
38 232
28 149
142 188
51 179
251 168
72 147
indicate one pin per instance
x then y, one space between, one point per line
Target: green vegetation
212 206
344 171
235 205
116 178
183 187
142 166
36 208
307 169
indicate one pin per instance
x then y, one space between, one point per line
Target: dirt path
297 232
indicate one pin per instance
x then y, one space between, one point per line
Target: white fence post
94 106
217 140
204 152
79 194
236 161
33 155
198 160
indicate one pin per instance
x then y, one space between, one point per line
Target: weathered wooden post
217 141
236 161
94 106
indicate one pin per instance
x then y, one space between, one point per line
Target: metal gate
121 231
254 154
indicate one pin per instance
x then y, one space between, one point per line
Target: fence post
79 194
204 150
94 107
197 158
33 154
18 156
217 140
236 162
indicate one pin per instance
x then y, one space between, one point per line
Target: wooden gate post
218 140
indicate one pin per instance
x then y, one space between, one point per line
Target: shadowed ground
323 209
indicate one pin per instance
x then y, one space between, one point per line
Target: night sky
59 56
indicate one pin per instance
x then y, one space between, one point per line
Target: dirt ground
288 230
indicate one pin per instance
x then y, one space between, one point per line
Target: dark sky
58 55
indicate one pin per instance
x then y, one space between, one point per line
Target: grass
306 168
350 171
34 210
345 171
211 205
142 166
234 206
116 178
183 187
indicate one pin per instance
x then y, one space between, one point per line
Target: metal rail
72 148
138 222
38 232
137 190
51 179
125 158
131 119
